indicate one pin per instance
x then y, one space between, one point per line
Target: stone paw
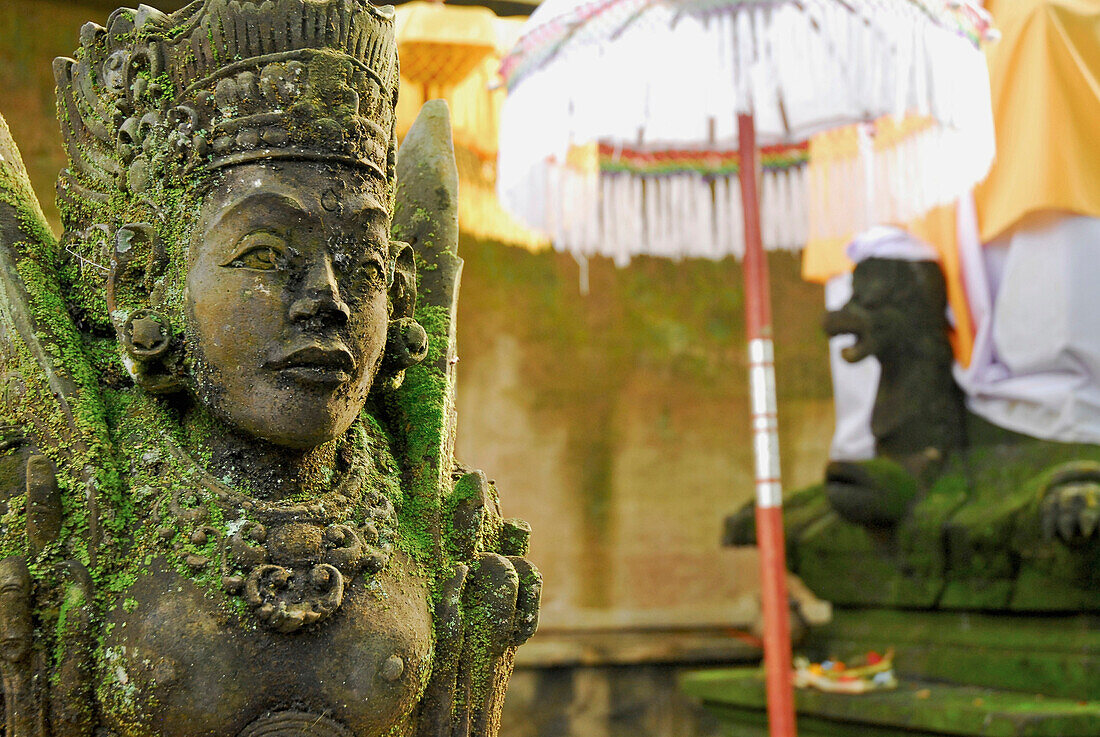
488 606
1071 504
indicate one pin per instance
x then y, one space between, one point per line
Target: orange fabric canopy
1045 78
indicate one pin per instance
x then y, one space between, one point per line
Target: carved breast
177 661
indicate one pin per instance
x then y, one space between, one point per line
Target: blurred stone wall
615 422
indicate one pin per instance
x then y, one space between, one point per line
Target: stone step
737 697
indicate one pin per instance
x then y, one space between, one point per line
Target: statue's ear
406 340
138 261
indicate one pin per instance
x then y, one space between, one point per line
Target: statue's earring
145 334
146 338
406 346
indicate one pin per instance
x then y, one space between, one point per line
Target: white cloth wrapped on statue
1035 299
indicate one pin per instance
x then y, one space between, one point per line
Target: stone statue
898 315
230 505
953 513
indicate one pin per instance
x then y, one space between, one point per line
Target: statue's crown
222 82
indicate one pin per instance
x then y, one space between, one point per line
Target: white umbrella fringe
799 67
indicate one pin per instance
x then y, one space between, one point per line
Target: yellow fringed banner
453 53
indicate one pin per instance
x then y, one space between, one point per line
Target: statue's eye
262 251
360 267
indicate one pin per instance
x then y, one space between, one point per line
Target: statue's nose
319 294
833 323
848 319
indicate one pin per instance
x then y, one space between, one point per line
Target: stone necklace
290 562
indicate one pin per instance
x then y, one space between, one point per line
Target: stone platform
1025 676
736 697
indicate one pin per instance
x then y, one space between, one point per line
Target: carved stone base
960 673
293 723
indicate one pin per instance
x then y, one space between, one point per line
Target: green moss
974 540
114 426
420 409
72 600
737 695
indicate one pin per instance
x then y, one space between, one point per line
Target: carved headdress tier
223 82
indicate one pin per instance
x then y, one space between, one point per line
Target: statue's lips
14 647
316 364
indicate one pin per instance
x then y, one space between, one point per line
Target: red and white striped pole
765 435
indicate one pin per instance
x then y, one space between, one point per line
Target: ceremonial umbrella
607 100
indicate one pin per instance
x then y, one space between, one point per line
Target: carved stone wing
47 389
422 410
55 430
487 592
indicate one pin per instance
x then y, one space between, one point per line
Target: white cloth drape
1036 362
854 386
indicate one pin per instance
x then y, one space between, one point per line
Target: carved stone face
893 301
286 299
16 629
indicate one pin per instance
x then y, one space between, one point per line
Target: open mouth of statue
317 364
856 351
847 473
